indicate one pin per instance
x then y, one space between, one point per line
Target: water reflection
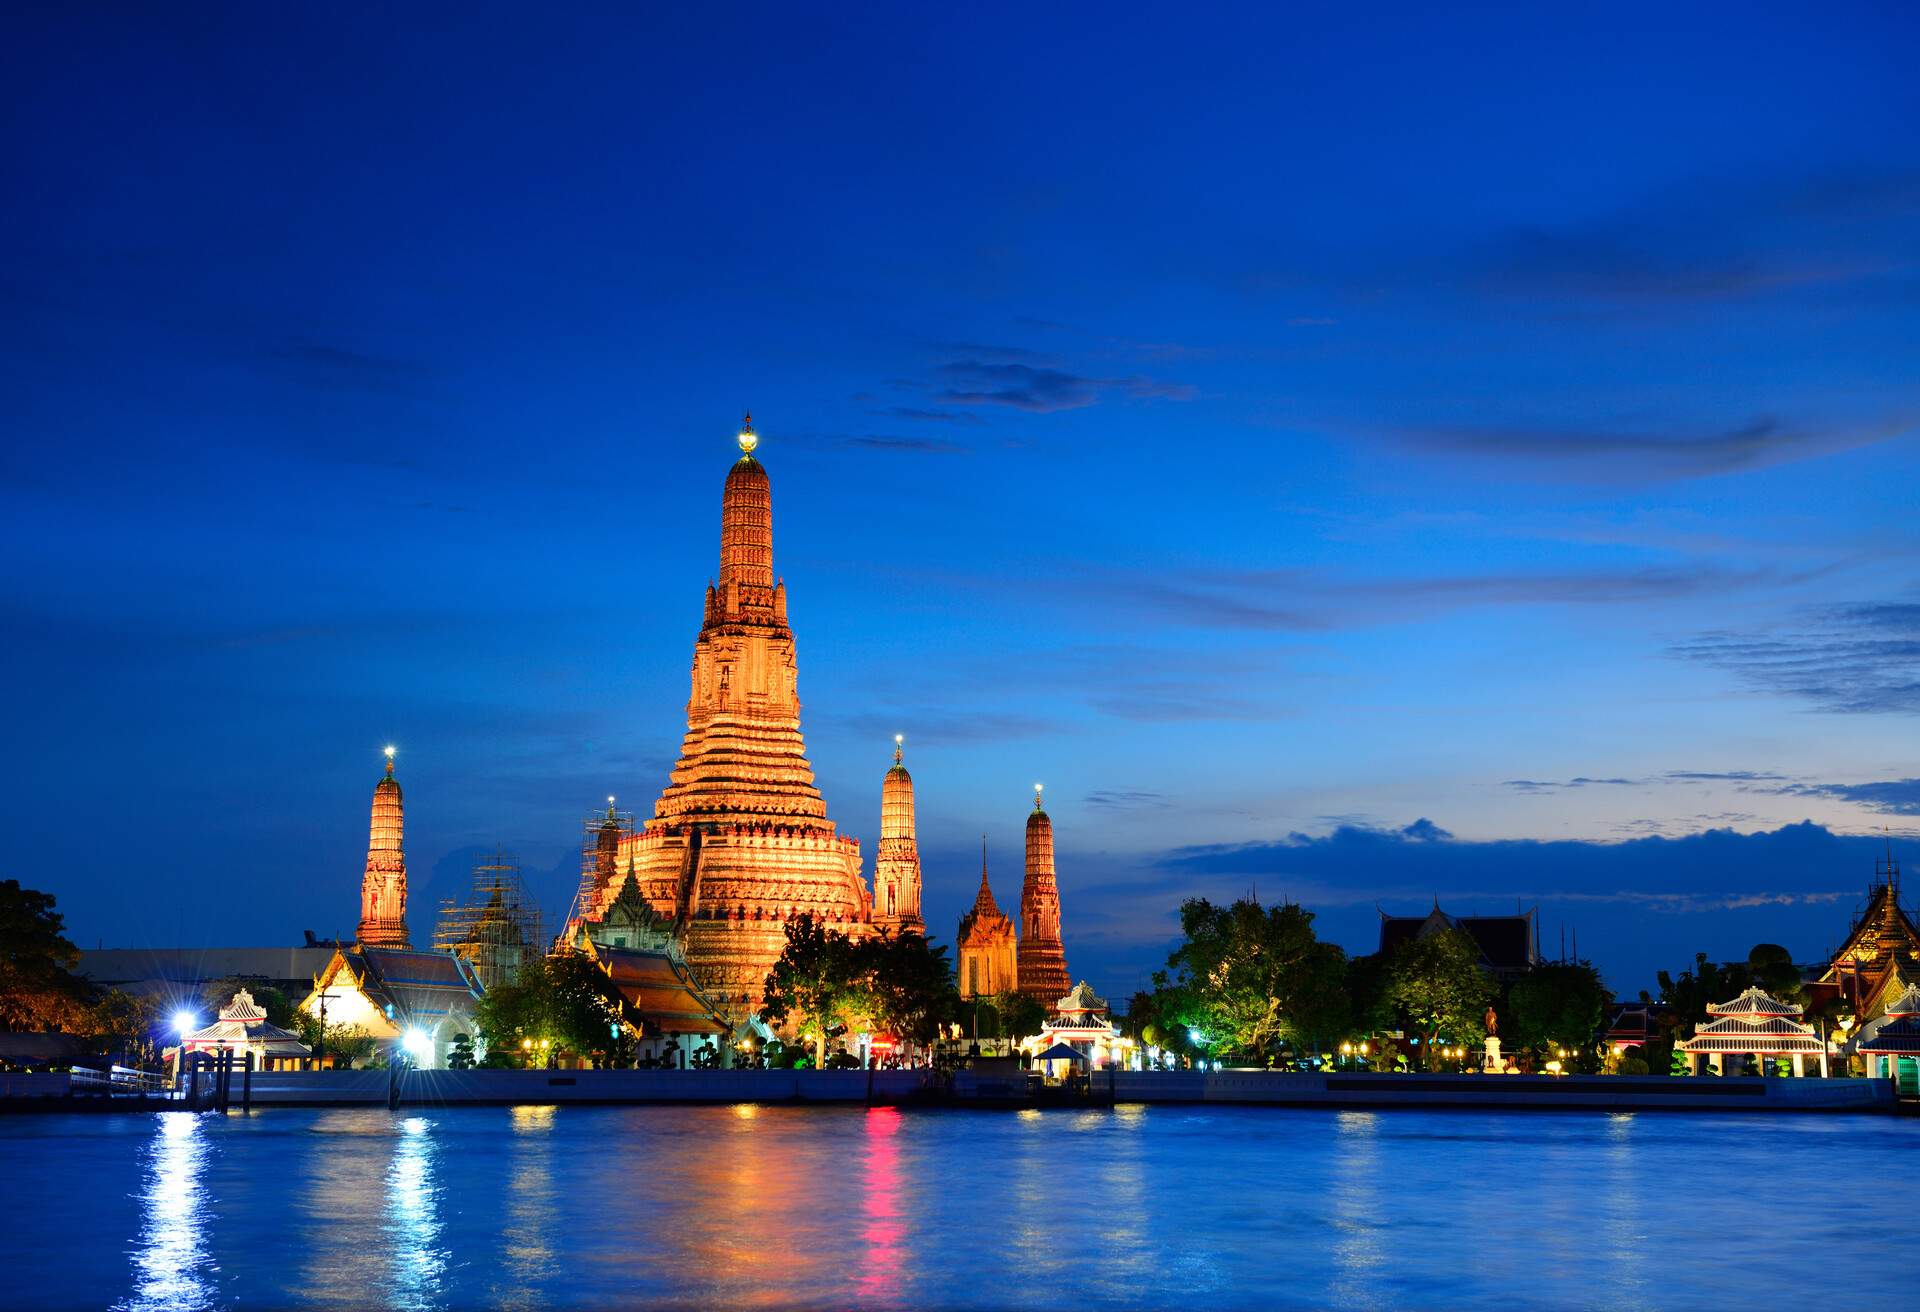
1357 1255
413 1217
883 1231
172 1266
527 1239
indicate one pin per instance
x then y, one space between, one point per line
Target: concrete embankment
440 1088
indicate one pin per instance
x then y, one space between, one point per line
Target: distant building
987 952
175 977
1509 945
1079 1022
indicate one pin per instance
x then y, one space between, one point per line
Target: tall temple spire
1043 959
896 862
383 885
987 946
739 842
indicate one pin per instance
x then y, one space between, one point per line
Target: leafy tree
38 989
1558 1004
460 1053
908 984
1437 984
124 1022
1687 995
564 1001
1021 1014
815 985
1256 978
1771 967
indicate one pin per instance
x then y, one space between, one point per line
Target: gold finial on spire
748 439
899 740
609 806
1036 795
389 752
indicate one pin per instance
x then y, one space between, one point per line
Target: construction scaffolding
600 835
498 927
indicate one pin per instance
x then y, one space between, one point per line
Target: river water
846 1207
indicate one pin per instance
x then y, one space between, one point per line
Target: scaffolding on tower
600 835
497 927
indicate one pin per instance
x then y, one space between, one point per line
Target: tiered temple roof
1506 943
243 1027
1753 1023
896 858
987 945
1881 956
1897 1033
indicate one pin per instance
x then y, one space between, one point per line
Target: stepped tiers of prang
383 885
1042 960
740 842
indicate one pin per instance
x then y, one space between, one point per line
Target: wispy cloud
1123 799
1549 786
1043 389
924 415
325 365
1888 797
1856 659
920 445
1621 454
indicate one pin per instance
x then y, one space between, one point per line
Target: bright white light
419 1043
389 752
185 1022
898 739
1193 1037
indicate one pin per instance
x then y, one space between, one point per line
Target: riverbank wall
445 1088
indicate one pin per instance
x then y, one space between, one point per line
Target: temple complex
383 886
739 842
424 999
1042 963
896 859
1880 959
987 945
1889 1047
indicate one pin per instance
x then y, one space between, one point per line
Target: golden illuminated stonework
1043 958
896 859
987 944
739 842
383 886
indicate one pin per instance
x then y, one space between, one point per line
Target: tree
38 989
908 984
1771 967
1685 997
815 985
1558 1004
1253 979
1021 1014
124 1022
460 1053
1436 982
562 1003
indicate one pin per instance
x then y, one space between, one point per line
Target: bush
1634 1066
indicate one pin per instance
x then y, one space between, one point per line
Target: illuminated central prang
739 842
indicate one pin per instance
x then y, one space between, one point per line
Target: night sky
1361 460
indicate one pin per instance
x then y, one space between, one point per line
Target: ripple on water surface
781 1207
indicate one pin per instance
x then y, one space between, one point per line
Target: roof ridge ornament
747 438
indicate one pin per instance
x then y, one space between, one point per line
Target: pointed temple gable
1881 955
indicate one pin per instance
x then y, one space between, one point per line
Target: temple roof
1754 1002
1505 942
1899 1036
422 987
1081 998
659 993
243 1024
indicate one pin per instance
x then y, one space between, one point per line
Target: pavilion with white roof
1754 1026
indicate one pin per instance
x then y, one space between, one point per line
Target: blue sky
1269 431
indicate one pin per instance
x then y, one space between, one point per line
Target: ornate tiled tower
896 860
988 943
739 842
383 888
1043 961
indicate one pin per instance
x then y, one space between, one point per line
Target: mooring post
393 1085
246 1086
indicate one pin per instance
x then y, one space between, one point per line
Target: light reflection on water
172 1268
845 1207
